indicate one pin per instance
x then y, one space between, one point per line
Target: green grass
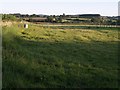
86 27
42 57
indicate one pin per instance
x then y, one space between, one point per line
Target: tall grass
47 57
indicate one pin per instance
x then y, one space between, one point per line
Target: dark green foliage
118 22
50 18
102 27
97 20
8 17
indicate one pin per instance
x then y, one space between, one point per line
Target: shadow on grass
31 64
84 27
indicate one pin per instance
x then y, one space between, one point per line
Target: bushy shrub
8 17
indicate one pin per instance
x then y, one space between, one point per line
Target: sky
58 7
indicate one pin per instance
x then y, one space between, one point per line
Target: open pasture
65 57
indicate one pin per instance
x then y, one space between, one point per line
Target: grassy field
43 57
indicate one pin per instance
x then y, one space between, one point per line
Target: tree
8 17
118 22
60 19
33 15
50 19
63 14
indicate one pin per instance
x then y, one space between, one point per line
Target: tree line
89 19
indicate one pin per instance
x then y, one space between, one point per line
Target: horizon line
57 14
